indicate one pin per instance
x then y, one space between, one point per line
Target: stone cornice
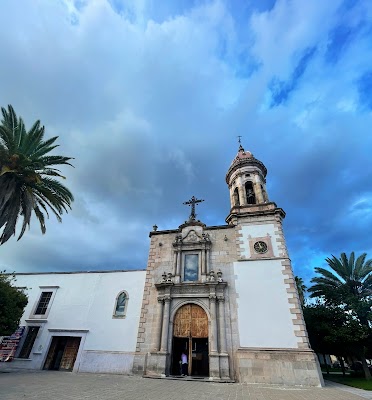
255 210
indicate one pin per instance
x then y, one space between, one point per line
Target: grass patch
332 369
357 382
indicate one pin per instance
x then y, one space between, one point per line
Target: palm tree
348 283
301 289
26 176
347 280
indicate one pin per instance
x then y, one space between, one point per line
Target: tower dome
244 158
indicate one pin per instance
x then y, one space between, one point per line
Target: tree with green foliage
27 176
331 330
301 289
13 300
346 287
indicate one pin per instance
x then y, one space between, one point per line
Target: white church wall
264 316
83 306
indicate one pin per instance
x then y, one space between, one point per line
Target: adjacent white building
80 321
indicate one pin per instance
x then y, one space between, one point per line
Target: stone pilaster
213 341
203 265
159 320
257 190
164 331
175 264
242 196
221 322
207 266
224 358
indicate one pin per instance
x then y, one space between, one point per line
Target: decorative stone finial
212 277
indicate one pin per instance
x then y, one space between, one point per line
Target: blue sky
149 97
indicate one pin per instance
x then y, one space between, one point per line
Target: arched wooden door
190 334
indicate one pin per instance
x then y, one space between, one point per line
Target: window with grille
29 341
121 305
43 303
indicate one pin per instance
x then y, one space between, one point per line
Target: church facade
226 294
223 295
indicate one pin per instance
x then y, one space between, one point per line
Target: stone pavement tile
360 392
50 385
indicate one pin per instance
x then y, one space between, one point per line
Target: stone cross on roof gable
192 203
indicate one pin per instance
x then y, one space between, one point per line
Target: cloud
149 99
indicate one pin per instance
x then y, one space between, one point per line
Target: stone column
204 264
214 357
242 196
257 190
221 320
175 263
232 202
178 262
223 356
159 319
212 302
207 261
164 331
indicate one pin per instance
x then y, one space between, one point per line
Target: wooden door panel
51 351
191 321
70 353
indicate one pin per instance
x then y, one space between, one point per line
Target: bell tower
246 179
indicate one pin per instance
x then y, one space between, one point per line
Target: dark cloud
150 107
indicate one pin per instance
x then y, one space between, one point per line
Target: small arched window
121 305
249 192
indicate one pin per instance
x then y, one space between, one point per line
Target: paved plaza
45 385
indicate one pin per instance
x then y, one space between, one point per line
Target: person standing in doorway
184 364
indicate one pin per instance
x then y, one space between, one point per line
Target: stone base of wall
17 364
106 362
278 366
156 364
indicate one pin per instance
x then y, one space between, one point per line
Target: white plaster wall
256 231
264 316
84 302
115 334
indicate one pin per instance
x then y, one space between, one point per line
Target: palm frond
27 206
329 275
25 140
56 160
6 137
8 220
28 175
40 217
359 266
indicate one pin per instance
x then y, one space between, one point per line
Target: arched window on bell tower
236 197
249 192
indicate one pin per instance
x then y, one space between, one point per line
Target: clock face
260 247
